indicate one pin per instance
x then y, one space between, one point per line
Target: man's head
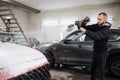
102 18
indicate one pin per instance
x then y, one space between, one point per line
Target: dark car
18 62
77 49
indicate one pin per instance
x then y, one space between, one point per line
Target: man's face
101 19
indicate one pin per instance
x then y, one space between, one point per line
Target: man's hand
83 30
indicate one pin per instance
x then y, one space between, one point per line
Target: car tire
50 58
114 66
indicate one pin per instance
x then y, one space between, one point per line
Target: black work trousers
98 65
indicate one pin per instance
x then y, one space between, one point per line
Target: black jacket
100 35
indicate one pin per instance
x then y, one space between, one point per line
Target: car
18 62
77 50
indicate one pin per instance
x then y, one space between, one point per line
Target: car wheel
50 58
114 66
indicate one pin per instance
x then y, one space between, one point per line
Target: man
99 33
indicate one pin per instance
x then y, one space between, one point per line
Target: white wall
44 27
20 15
22 18
51 30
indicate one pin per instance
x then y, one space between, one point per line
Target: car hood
17 59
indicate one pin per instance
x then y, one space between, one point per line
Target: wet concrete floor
75 74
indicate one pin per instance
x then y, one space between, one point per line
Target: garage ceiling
62 4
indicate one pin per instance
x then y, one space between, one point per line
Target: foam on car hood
17 59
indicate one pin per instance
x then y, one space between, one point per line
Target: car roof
115 30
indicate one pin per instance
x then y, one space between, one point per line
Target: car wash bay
39 23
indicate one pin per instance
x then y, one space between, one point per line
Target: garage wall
22 18
51 25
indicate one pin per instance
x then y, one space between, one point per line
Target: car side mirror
66 41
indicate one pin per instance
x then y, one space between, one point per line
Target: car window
114 36
77 37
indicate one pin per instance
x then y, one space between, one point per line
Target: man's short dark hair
103 13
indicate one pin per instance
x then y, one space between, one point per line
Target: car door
75 49
86 55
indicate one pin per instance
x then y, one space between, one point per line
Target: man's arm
97 35
89 27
